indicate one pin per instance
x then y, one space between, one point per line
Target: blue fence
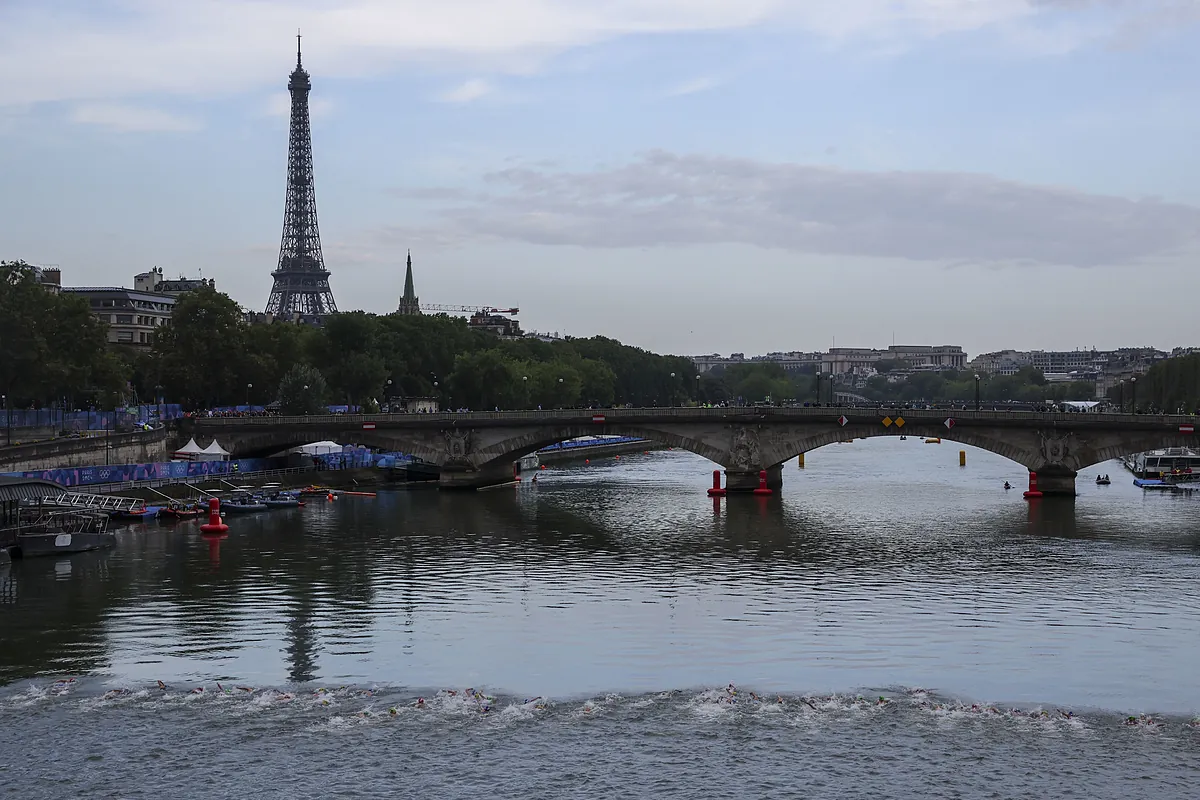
174 470
90 420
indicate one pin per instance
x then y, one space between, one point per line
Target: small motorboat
177 510
243 503
244 506
282 501
138 514
1102 480
319 490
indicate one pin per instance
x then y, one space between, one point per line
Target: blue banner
172 470
90 420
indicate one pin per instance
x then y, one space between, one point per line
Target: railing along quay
600 415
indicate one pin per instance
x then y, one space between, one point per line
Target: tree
203 353
302 391
51 346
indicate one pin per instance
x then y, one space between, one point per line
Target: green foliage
1028 385
51 346
302 391
1170 385
203 355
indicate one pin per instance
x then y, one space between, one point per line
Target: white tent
189 451
318 448
214 452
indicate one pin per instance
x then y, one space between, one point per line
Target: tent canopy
215 449
190 449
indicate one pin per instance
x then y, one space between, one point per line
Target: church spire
409 304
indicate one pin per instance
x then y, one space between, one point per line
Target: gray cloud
665 199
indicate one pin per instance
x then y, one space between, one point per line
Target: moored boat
176 510
282 501
57 532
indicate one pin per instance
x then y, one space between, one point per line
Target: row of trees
759 381
1171 385
52 348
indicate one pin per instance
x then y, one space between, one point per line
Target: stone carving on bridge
1056 449
458 447
745 448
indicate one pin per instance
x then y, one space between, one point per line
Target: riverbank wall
136 447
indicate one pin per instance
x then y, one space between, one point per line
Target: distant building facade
154 283
133 316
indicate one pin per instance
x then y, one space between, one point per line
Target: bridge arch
786 450
513 448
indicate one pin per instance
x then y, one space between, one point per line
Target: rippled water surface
603 614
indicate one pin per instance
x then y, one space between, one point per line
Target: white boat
1177 461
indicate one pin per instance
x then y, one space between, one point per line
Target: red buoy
214 524
762 489
1033 492
716 490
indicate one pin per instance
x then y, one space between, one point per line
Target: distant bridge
476 449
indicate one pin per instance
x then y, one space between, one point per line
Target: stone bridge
477 449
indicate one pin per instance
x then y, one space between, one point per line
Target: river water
892 626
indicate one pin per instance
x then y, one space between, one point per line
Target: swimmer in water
162 686
881 701
197 690
420 702
393 711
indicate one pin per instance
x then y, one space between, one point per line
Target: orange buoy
1033 492
329 497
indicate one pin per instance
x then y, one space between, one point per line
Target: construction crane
470 309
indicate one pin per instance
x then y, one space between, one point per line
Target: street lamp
8 420
671 396
698 398
976 391
1133 394
249 386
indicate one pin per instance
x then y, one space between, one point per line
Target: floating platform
1152 483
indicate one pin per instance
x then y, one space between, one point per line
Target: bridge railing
852 413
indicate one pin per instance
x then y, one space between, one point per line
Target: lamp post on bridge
7 421
1133 394
671 397
249 386
698 399
1121 397
976 391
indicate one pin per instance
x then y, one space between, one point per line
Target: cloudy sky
690 176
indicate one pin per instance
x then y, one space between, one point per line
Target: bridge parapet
743 440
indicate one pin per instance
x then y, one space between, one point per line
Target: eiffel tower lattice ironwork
301 280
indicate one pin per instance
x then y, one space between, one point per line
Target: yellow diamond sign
899 422
887 422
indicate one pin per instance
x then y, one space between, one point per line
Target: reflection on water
882 564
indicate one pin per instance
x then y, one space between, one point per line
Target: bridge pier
481 478
747 480
1056 481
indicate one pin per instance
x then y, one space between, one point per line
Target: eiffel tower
301 280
